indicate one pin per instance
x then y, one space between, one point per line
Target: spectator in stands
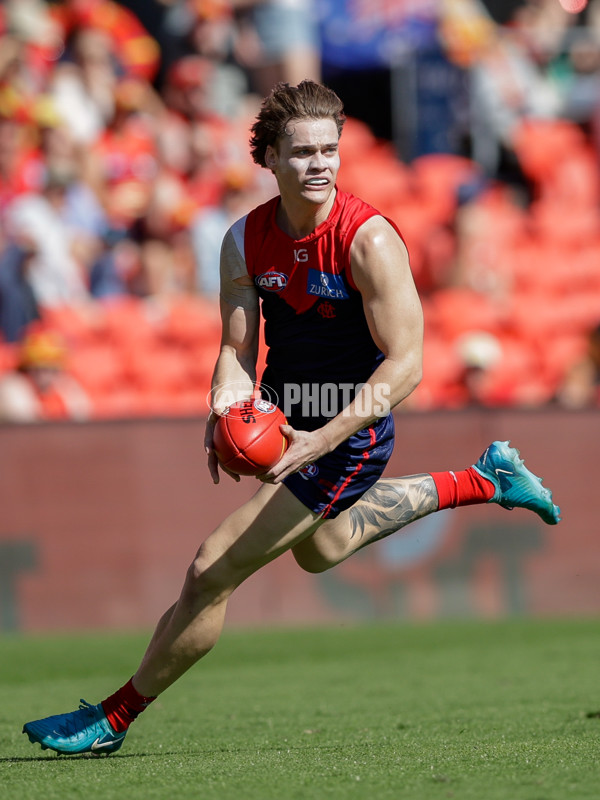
509 85
40 388
581 386
115 179
541 26
211 223
135 52
32 42
117 271
83 87
18 304
124 157
15 160
57 274
279 41
212 36
582 83
59 154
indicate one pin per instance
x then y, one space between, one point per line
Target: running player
344 329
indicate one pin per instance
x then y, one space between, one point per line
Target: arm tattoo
390 505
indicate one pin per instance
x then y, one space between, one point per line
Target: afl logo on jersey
272 281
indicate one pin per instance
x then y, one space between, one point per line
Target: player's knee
210 576
315 566
318 558
325 548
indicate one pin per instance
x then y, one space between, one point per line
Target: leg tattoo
390 505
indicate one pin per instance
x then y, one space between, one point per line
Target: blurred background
123 160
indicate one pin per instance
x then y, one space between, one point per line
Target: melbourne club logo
326 310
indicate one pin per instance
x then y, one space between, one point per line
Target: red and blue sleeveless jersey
315 327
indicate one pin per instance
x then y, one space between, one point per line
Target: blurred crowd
124 158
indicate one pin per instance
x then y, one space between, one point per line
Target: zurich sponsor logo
272 281
324 284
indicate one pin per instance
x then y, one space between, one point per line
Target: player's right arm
234 376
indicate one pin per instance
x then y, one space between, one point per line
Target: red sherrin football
247 439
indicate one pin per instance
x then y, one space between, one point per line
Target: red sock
464 488
122 707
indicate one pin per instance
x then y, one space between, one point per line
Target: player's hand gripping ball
247 439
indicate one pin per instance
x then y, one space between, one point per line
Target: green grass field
498 711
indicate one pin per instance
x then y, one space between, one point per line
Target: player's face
306 160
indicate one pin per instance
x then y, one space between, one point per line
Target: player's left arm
381 272
234 375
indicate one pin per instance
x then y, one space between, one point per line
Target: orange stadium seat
574 180
517 378
191 402
357 139
378 176
201 361
561 352
437 178
121 403
540 266
127 321
189 321
75 324
563 222
9 357
158 369
442 371
99 369
541 144
457 310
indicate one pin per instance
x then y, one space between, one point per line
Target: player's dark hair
308 100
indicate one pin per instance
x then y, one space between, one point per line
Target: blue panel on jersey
324 284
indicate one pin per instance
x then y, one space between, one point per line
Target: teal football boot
515 486
83 731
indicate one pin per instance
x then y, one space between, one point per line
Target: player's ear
270 157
